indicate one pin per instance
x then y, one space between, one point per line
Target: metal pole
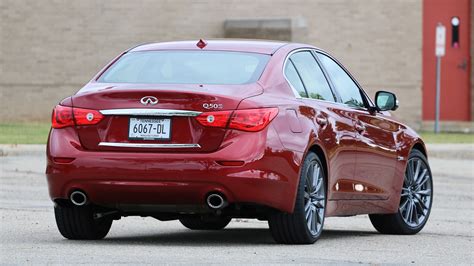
438 92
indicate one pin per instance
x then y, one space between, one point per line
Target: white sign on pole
440 51
440 40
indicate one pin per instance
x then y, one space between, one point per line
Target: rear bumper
268 176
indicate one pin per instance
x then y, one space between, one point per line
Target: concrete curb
443 151
22 149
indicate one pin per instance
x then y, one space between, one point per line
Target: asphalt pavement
28 233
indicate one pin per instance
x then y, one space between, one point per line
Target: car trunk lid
174 114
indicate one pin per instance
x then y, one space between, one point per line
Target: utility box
284 29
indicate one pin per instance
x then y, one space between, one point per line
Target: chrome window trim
149 145
150 112
336 103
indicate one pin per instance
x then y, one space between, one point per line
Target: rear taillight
214 119
245 120
252 119
64 116
86 116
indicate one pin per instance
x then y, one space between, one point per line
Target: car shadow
231 236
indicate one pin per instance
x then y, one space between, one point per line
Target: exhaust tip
215 201
78 198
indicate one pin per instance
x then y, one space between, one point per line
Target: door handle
359 127
321 120
463 64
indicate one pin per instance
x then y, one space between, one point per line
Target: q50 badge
212 105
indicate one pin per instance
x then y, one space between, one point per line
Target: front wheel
415 200
305 224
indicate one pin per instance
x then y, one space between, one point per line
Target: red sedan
205 132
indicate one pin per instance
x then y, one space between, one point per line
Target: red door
455 65
377 154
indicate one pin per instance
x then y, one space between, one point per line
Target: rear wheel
79 223
305 224
205 223
415 200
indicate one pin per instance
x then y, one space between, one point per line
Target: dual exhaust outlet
78 198
214 201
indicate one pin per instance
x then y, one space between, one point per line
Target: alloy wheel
314 198
415 202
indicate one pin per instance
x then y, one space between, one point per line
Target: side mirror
386 101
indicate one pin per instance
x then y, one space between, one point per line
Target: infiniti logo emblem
149 100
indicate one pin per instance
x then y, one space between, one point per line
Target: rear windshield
186 67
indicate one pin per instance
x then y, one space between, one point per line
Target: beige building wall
49 49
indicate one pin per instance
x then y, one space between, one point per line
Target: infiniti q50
206 131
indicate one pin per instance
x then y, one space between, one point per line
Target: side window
313 78
294 79
349 91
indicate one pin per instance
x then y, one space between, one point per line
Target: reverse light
214 119
64 116
246 120
86 116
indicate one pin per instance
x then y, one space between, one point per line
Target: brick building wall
50 48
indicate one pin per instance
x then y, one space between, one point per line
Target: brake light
64 116
252 119
245 120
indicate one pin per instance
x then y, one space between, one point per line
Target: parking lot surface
28 231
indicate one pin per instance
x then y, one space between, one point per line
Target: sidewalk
442 151
451 151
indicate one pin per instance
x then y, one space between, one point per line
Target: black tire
292 228
205 223
396 223
78 223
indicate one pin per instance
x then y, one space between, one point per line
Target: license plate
149 128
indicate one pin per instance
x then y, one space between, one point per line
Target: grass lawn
37 133
32 133
430 137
